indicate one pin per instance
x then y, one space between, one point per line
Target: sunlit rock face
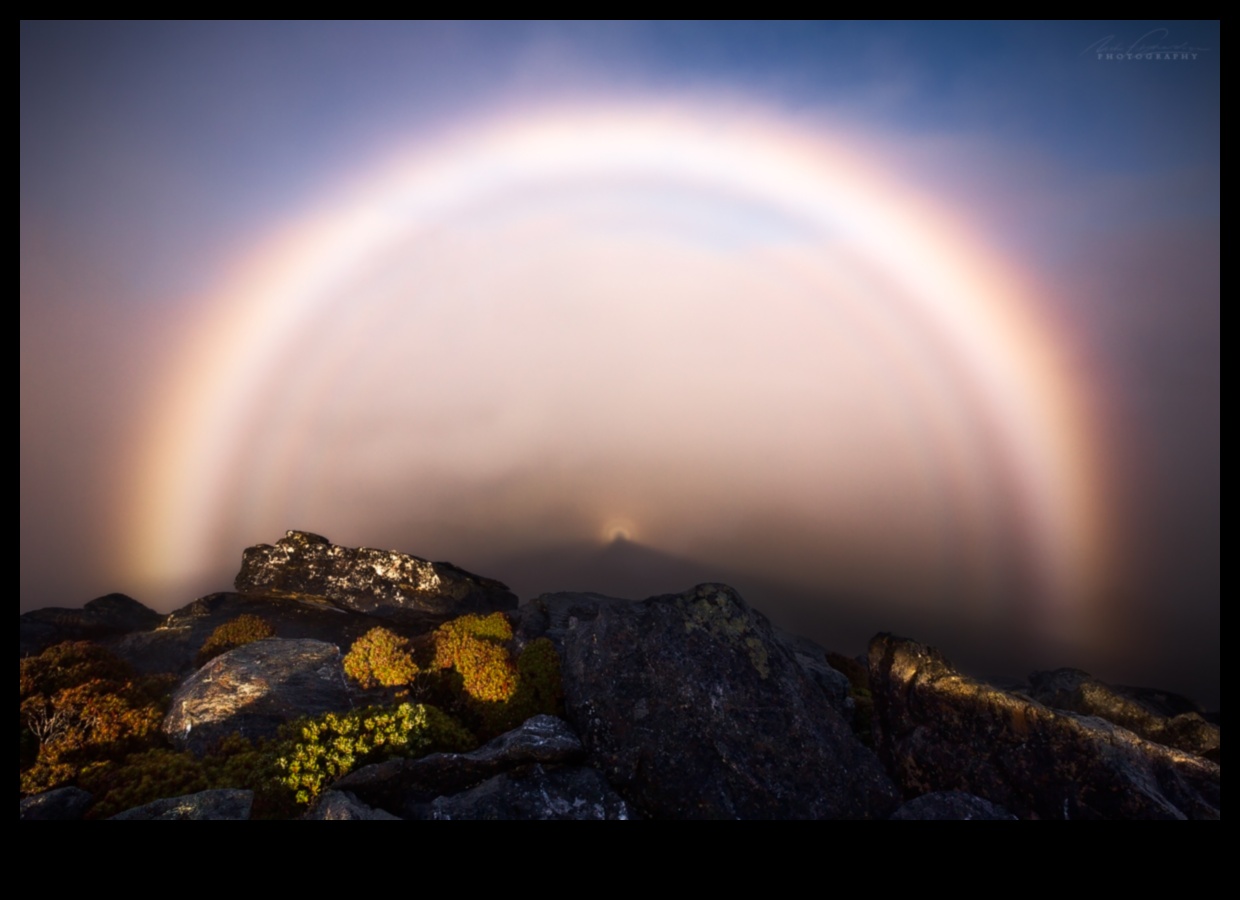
1159 716
382 583
939 730
692 708
253 690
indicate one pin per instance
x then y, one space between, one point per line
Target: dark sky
901 326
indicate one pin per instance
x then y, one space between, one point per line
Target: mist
908 327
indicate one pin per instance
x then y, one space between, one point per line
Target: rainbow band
974 307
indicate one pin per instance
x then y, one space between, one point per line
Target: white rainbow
975 306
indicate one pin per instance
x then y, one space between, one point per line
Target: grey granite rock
254 689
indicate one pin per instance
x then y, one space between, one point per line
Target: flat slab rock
255 689
400 784
536 793
227 803
692 707
382 583
939 730
66 803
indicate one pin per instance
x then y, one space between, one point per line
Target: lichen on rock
717 608
382 583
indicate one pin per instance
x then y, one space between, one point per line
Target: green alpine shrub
318 751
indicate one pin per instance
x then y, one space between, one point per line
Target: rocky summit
349 683
939 730
381 583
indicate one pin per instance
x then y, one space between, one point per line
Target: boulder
340 806
553 615
1158 716
813 660
567 792
254 689
381 583
59 804
692 707
939 730
227 803
113 614
950 805
174 645
401 784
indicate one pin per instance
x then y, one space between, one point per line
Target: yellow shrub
380 657
244 629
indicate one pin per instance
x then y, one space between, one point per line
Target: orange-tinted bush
85 707
473 647
70 663
492 692
380 657
245 629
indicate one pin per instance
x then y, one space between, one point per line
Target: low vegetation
245 629
380 657
81 707
315 752
88 719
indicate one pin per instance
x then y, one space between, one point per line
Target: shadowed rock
692 708
552 615
812 658
570 792
174 645
401 784
255 689
950 805
336 806
106 616
60 804
1157 716
939 730
227 803
381 583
